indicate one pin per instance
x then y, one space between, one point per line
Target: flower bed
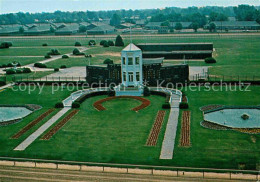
145 103
31 124
185 129
214 126
210 107
248 130
155 131
59 125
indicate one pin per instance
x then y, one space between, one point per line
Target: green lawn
39 51
233 53
22 60
118 135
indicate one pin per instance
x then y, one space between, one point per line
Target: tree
119 41
105 44
178 26
21 30
212 27
115 20
111 43
195 26
82 28
108 61
52 30
165 24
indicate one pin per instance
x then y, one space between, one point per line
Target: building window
137 76
130 61
130 76
137 60
123 60
124 76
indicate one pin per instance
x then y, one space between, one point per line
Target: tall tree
116 20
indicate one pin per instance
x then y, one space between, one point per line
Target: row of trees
193 14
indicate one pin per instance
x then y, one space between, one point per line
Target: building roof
236 23
68 28
172 24
38 28
11 29
153 60
101 28
197 43
153 24
131 47
140 22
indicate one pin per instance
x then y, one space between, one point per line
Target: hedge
166 106
184 105
77 44
59 105
47 56
108 61
210 60
146 91
102 42
65 56
75 105
40 65
82 98
56 69
111 43
63 66
10 72
44 44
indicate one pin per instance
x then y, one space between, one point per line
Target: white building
132 71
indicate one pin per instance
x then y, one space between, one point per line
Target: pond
13 113
232 118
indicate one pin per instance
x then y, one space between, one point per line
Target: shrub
184 105
26 70
210 60
4 65
166 106
9 65
40 65
119 41
108 61
106 44
47 56
63 66
77 44
75 105
5 45
56 69
102 42
92 42
245 116
44 44
54 52
10 72
75 51
111 43
65 56
19 71
59 105
146 91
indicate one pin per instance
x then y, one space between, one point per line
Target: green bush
9 65
92 42
108 61
106 44
75 51
19 71
10 72
44 44
56 69
166 106
5 45
75 105
184 105
59 105
40 65
54 52
111 43
4 65
77 44
63 66
26 70
119 41
146 92
65 56
210 60
102 42
47 56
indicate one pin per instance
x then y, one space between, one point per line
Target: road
36 174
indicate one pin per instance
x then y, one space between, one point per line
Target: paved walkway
171 129
41 130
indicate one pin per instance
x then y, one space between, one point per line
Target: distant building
11 29
125 26
235 25
157 25
101 30
67 29
38 29
140 23
177 50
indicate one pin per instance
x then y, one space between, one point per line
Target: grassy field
118 134
233 53
22 60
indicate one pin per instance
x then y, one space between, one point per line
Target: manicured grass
35 75
22 60
12 51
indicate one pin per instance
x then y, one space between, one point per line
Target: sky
33 6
